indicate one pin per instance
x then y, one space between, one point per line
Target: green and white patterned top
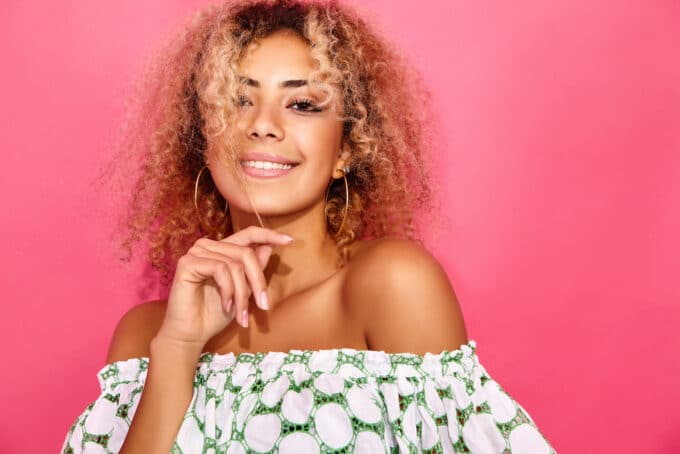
339 400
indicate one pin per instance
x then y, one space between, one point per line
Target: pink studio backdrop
560 149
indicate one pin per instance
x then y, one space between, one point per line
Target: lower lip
266 173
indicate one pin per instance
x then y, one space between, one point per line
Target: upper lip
258 156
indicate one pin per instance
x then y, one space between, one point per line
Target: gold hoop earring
198 214
344 171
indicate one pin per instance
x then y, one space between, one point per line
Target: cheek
228 183
319 144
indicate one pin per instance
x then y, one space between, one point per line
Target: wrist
162 344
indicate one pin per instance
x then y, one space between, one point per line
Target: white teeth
266 165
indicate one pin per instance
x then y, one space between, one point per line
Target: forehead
277 56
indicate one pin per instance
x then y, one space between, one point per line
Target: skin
294 204
392 296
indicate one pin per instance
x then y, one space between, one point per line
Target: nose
264 123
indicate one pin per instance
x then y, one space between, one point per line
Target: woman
287 162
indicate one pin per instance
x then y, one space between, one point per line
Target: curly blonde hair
184 103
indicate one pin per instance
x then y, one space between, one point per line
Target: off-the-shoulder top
337 400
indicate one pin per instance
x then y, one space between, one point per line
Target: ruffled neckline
465 349
346 362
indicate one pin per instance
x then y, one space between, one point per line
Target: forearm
167 393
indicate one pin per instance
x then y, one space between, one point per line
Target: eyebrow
293 83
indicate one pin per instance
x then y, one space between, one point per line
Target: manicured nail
264 301
287 238
244 318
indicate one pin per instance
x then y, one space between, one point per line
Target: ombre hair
185 102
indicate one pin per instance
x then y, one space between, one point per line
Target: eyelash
312 107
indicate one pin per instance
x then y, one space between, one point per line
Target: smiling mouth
266 169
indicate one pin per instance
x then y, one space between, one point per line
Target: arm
214 279
168 387
167 394
405 299
211 279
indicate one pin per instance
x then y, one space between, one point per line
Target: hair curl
182 106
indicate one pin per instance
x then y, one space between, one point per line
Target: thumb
264 252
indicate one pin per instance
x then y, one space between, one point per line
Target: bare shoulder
404 298
134 331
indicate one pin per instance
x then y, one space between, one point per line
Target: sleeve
448 403
103 425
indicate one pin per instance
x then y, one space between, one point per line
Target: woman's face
279 121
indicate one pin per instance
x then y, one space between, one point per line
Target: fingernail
287 238
244 318
264 301
229 303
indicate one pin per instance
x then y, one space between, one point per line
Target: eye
305 105
242 100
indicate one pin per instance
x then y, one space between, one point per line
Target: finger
240 292
226 285
229 250
253 234
237 275
198 269
234 250
256 282
263 253
253 270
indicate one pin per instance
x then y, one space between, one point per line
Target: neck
308 260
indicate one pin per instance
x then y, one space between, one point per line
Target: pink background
561 141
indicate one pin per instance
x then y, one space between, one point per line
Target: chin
268 207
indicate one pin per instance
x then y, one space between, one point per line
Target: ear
343 160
